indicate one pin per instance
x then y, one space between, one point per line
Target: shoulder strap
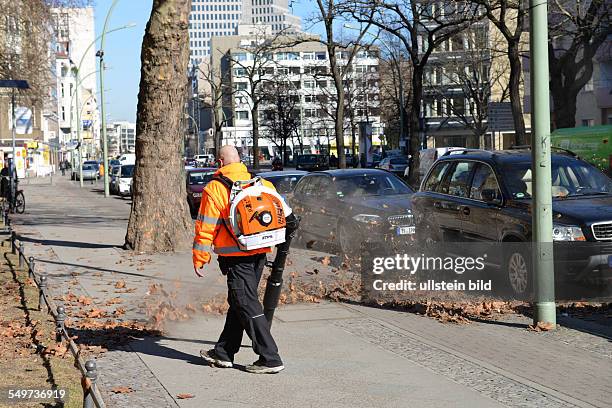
226 181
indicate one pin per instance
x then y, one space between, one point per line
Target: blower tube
275 280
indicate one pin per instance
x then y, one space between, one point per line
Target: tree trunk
515 95
564 110
159 220
255 121
414 125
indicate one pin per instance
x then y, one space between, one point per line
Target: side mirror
490 196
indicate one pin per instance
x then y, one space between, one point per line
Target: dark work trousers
245 313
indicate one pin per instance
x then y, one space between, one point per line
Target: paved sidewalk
337 355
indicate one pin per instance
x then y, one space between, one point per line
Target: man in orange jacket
243 270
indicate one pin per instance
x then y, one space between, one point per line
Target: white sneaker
211 357
260 368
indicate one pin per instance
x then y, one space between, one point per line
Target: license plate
197 194
405 230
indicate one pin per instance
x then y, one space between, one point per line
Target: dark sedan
352 206
196 181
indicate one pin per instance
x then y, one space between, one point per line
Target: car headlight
367 218
567 233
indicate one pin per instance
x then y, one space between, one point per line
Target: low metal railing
92 395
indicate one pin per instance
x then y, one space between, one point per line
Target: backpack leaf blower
275 280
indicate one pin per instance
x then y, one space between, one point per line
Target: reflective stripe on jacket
211 227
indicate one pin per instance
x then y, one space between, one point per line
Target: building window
309 84
242 115
588 122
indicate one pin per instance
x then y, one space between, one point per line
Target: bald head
228 155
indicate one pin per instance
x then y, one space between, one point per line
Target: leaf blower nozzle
275 280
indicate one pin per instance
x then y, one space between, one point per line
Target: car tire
518 271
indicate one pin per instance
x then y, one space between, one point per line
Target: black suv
473 196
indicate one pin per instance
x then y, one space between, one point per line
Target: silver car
90 172
394 164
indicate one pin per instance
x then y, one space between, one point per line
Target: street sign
500 116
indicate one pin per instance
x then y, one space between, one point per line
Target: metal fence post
31 267
59 323
13 245
21 256
91 375
41 291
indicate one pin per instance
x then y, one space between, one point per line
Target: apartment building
302 70
217 18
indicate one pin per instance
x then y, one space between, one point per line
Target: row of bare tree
161 221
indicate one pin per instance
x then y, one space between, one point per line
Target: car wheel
518 272
346 240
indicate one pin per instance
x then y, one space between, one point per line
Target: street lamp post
542 217
100 54
77 69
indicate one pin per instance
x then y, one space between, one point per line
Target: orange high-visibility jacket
211 228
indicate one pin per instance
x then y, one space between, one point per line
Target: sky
122 52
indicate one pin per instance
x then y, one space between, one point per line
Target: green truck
591 143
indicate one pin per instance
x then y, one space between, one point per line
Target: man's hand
199 271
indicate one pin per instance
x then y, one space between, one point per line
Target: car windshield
88 167
308 159
284 184
570 178
127 171
199 177
370 184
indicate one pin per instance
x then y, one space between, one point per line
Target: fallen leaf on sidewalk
126 290
119 311
96 313
185 396
325 261
120 284
122 390
85 300
113 301
542 326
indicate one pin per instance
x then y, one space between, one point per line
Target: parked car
204 159
427 157
350 206
284 181
95 164
477 196
312 162
90 172
127 158
196 181
394 164
113 183
124 180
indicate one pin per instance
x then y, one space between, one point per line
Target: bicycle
17 203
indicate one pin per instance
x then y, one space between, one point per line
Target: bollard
31 267
90 381
13 244
42 288
21 256
59 323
